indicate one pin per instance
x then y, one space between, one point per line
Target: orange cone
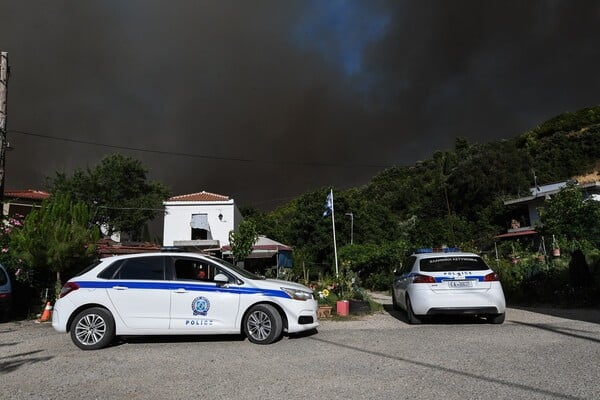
47 314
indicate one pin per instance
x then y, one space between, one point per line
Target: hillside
454 198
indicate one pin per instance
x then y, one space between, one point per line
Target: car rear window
443 264
142 268
88 268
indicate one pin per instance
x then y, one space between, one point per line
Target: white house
199 220
525 210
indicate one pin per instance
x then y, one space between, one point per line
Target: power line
204 156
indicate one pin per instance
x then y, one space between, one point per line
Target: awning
200 221
267 248
517 234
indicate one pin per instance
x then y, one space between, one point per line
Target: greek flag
328 204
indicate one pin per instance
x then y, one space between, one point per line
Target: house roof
264 244
200 196
28 194
525 232
107 247
550 189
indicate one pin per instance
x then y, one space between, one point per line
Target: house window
200 227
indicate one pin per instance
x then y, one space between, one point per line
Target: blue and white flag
329 204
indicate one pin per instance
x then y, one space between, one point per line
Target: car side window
190 269
143 268
195 270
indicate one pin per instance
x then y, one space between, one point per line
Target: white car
449 282
179 294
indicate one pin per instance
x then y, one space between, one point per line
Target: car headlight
298 294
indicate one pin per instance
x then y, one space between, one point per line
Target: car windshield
238 270
444 264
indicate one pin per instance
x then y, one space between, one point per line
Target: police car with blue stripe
181 294
447 281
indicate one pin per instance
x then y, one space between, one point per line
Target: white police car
447 282
180 294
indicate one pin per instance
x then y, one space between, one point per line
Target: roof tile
29 194
200 196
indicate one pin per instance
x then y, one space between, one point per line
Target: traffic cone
47 314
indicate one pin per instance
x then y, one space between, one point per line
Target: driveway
532 355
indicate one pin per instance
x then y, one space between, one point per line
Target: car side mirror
221 279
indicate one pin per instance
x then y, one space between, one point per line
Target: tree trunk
58 286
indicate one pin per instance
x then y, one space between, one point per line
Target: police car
180 294
447 282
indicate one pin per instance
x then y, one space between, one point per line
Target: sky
265 100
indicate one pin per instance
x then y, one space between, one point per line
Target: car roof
155 254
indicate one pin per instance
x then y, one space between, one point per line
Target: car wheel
496 318
93 329
263 324
395 305
412 318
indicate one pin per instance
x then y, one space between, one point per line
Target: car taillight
491 277
68 288
5 295
423 279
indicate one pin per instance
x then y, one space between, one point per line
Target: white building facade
199 220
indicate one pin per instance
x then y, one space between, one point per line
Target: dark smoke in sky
264 100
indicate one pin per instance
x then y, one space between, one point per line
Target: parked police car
447 282
178 293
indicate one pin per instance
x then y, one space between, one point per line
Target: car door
139 293
198 304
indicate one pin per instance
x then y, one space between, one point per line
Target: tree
58 237
118 192
241 242
569 216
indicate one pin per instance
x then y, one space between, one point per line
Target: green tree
242 240
7 257
567 215
118 192
58 237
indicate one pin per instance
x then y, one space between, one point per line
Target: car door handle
120 287
181 291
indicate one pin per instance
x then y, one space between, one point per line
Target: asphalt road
531 356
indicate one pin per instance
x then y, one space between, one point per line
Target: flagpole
333 228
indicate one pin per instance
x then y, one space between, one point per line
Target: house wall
179 215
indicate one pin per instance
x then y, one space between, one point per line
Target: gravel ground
533 355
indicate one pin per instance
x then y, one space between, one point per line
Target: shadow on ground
438 319
579 314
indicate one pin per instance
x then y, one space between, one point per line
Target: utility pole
351 227
3 91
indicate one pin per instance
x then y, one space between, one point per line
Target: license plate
460 284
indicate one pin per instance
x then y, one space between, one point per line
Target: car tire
263 324
395 305
496 318
93 329
412 318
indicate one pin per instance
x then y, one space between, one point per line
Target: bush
380 281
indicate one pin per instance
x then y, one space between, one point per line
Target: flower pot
556 252
343 308
324 311
359 306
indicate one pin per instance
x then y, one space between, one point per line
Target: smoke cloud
264 100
